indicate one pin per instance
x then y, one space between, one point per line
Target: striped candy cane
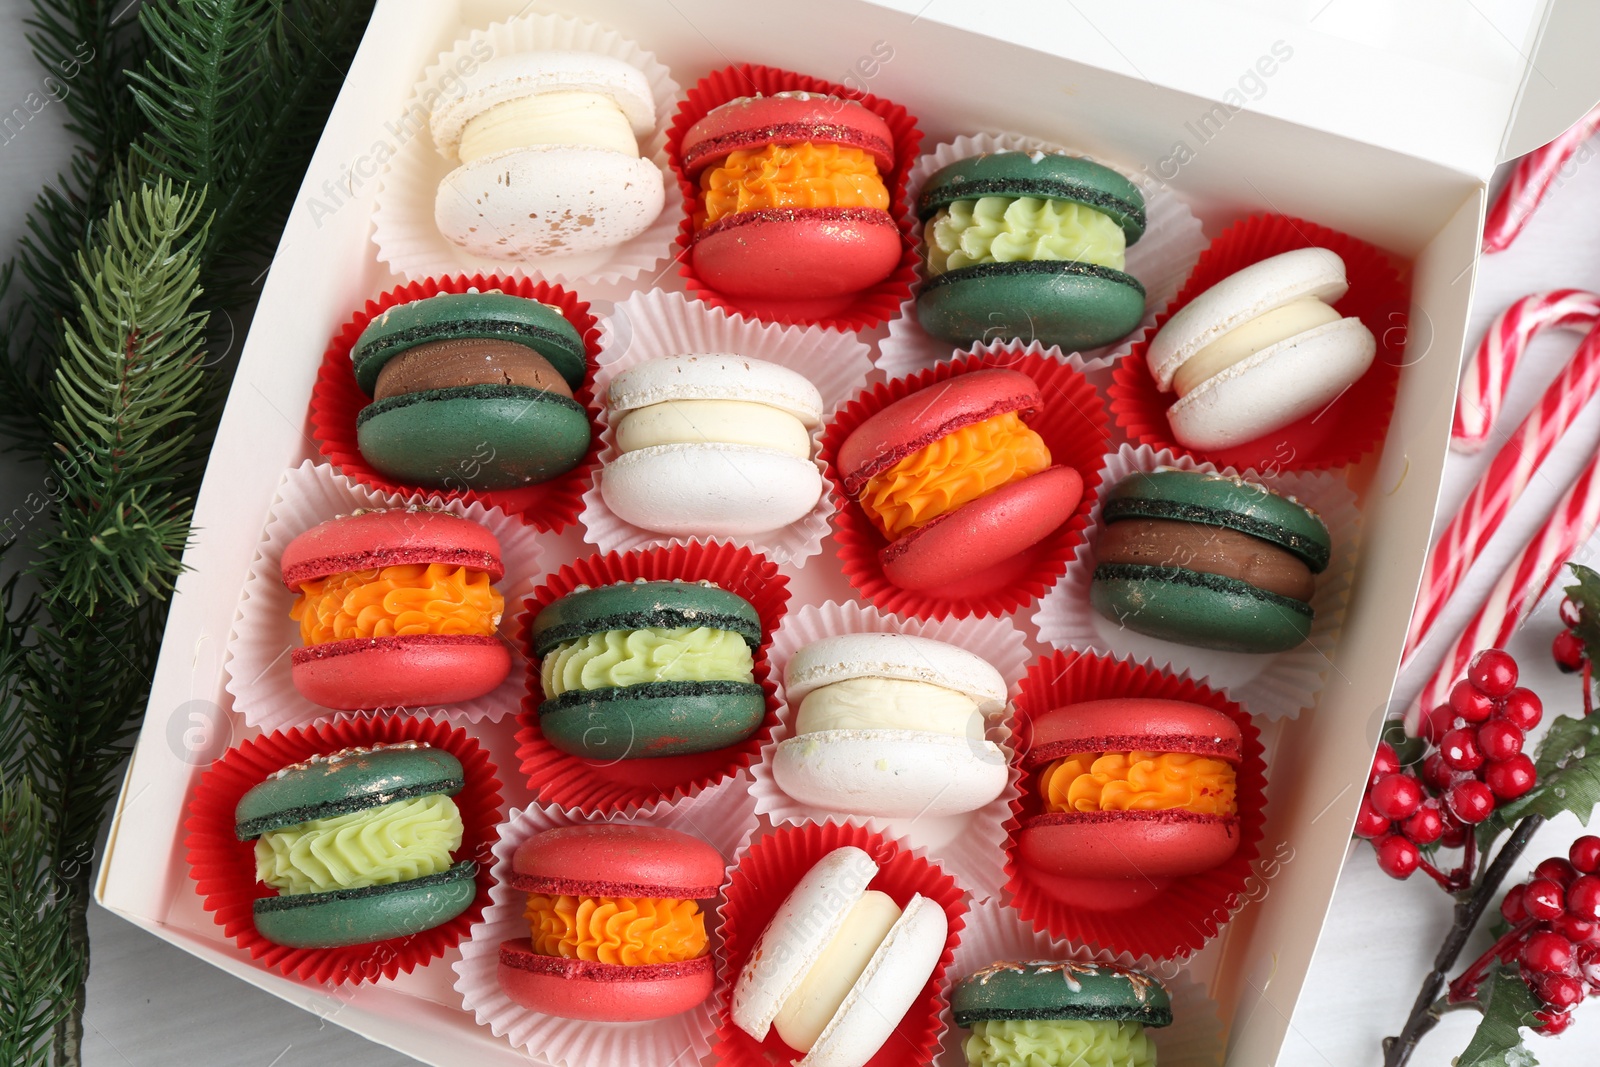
1530 181
1483 388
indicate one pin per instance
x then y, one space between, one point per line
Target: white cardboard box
1382 120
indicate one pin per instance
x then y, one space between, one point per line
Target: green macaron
371 830
1042 1011
471 391
1029 246
644 669
1208 561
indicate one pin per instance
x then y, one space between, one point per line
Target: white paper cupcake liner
1161 259
722 818
653 324
263 635
404 232
971 846
1196 1037
1272 686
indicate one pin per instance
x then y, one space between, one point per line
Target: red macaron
1146 842
366 656
788 237
980 532
599 866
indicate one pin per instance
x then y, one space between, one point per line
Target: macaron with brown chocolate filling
1208 561
471 391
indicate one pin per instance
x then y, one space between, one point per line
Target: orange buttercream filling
790 176
628 930
412 598
940 477
1139 781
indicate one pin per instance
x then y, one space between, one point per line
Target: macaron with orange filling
617 934
396 608
1131 789
955 479
793 201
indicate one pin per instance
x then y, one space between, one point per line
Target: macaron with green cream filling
1030 246
642 669
1059 1013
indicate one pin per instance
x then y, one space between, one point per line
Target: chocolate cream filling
467 361
1209 550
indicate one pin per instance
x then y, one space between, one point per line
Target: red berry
1589 963
1560 991
1397 857
1455 835
1543 899
1425 826
1438 722
1585 854
1470 801
1384 761
1469 703
1571 611
1460 749
1493 672
1510 778
1583 897
1557 870
1546 953
1551 1023
1568 652
1369 823
1499 740
1396 796
1521 708
1511 906
1578 931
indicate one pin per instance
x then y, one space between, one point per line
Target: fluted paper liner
970 845
762 878
224 868
722 818
1175 921
1272 685
336 400
1161 259
624 785
650 325
1196 1037
258 667
1072 422
854 311
409 241
1340 433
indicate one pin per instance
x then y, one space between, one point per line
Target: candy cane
1508 475
1531 180
1483 388
1524 583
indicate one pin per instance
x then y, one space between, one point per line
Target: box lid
1456 82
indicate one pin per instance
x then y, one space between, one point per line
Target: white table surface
152 1004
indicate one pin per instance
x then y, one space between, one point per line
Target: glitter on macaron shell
1070 971
344 754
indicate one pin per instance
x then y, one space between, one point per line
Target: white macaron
890 725
712 444
1259 350
549 154
839 965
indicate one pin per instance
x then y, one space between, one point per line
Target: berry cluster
1568 647
1475 763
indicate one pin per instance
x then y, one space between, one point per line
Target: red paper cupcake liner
1073 424
336 400
223 867
608 786
857 311
1181 918
761 880
1337 435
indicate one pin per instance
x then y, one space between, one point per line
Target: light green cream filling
1059 1043
1003 229
634 657
394 843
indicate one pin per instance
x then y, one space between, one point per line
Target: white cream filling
1248 338
814 1002
730 422
889 704
549 118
